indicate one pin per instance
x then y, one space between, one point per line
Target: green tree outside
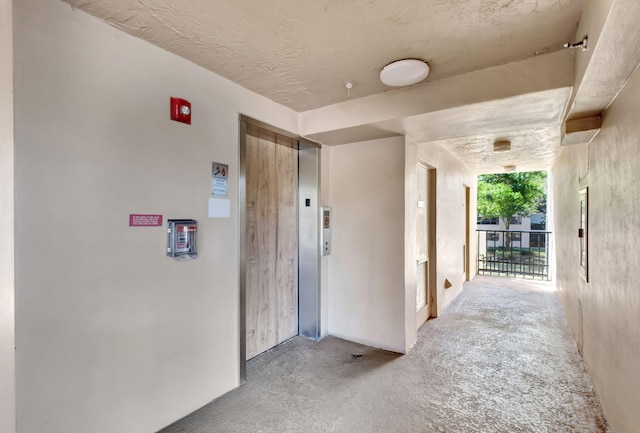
507 195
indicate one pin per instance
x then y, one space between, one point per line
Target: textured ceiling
301 52
615 57
531 150
502 118
530 122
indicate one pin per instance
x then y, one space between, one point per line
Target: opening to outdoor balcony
512 234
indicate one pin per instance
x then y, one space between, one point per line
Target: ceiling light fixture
501 146
405 72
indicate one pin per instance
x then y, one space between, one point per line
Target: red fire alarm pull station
181 110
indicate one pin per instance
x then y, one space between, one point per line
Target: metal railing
514 253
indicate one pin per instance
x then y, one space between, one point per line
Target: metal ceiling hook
582 44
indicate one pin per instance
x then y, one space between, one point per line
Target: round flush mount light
404 72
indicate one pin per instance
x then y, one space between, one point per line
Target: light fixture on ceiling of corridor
509 168
404 72
501 146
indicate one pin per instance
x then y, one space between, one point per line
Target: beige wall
366 284
7 312
108 327
604 314
325 169
452 176
594 16
410 247
372 271
113 336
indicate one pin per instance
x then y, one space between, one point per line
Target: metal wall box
182 238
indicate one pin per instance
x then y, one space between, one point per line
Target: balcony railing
514 253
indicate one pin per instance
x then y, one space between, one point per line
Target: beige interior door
271 240
422 243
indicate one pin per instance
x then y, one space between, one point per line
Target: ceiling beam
583 130
536 74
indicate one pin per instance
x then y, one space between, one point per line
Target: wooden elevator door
271 240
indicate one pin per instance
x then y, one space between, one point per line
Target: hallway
499 359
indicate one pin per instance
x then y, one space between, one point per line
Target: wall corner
7 280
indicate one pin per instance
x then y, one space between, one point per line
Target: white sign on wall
219 179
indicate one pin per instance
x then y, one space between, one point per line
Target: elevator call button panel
326 231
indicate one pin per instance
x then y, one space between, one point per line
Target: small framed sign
219 180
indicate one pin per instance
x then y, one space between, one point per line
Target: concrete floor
499 359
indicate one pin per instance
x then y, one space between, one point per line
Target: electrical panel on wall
182 240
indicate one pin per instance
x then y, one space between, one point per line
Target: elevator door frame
308 237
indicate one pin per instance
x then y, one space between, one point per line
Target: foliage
511 194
